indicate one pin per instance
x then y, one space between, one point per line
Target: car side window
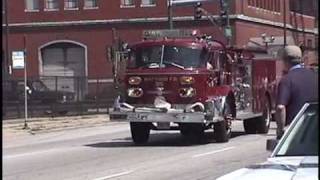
38 86
303 139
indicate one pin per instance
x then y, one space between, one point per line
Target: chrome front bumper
161 115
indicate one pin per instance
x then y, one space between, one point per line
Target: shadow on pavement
237 133
162 140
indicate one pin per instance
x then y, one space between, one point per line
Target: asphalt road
107 152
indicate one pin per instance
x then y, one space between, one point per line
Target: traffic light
223 12
198 11
223 18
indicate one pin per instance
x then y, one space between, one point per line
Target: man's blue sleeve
283 95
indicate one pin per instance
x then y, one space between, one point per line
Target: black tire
221 132
140 132
250 126
222 129
263 122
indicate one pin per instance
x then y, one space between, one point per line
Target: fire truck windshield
164 56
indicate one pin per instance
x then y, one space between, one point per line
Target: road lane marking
212 152
114 175
35 153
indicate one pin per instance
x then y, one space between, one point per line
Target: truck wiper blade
153 65
174 64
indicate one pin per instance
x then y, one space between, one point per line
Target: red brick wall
97 38
245 31
108 9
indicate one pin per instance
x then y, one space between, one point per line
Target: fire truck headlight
186 80
187 92
134 80
135 92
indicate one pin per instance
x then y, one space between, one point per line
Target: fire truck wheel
140 132
263 122
250 126
221 132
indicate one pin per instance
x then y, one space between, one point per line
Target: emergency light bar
170 33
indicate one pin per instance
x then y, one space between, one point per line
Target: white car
295 156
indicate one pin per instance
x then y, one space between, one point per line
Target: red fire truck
180 80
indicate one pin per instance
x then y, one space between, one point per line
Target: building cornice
156 20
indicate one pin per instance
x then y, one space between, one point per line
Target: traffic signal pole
170 14
210 17
224 5
25 85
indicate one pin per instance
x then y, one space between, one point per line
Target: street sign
186 2
17 59
228 32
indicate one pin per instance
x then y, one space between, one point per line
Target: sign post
19 62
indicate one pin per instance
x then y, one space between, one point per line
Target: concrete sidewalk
41 125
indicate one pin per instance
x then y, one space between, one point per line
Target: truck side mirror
271 144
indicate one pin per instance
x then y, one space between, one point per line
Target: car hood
284 168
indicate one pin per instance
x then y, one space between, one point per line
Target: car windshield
163 56
39 86
304 136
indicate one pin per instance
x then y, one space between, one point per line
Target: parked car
294 157
37 91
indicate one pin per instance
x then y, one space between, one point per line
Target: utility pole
284 23
316 23
6 59
170 14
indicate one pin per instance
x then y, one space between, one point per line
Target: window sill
71 9
127 6
264 10
90 8
50 10
148 5
31 10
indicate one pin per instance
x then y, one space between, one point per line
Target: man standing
298 86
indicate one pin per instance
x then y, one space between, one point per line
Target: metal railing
58 96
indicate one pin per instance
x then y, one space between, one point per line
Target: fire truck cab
180 80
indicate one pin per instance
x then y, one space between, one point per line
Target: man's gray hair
291 54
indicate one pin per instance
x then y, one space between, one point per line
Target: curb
46 125
19 121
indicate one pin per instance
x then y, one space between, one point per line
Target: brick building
71 37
